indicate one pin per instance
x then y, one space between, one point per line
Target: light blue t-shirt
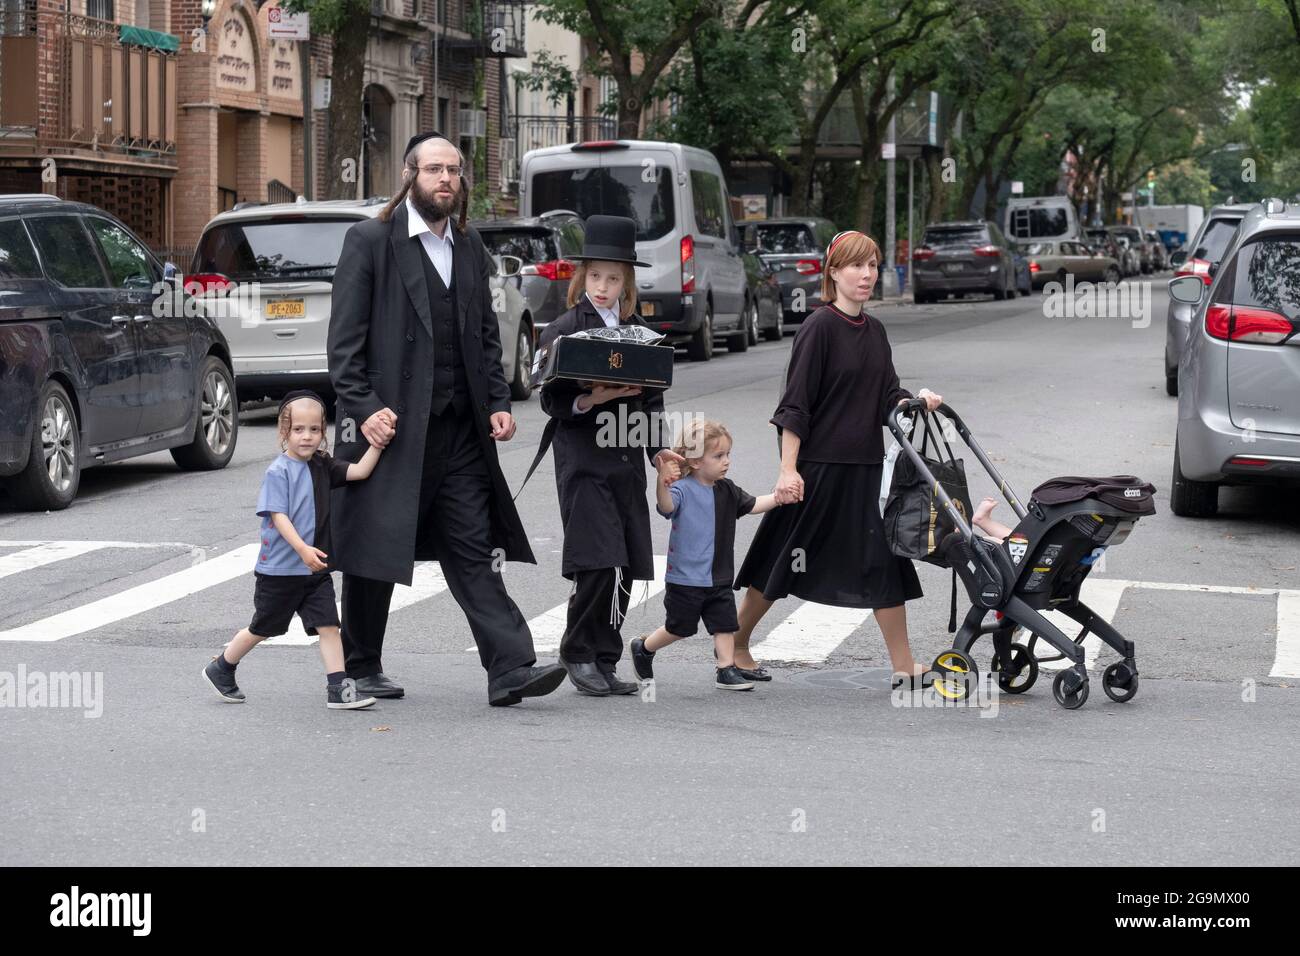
699 530
287 489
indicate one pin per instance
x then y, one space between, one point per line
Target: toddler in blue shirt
703 505
293 571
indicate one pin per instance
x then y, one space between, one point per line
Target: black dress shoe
618 687
758 673
587 678
379 685
514 686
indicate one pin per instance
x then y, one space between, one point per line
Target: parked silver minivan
694 290
1239 375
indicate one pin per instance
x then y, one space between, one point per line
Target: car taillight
808 267
1034 266
1259 326
922 254
1249 462
688 263
1217 319
206 282
1195 267
990 251
555 269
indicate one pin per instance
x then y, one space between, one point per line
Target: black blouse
840 387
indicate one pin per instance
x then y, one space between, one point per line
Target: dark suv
102 357
543 244
957 258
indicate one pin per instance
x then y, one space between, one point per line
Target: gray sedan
1054 261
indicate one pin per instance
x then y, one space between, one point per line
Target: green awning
153 39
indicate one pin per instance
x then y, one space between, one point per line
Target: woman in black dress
828 546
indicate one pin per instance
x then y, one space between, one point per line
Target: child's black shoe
730 678
223 682
344 696
642 660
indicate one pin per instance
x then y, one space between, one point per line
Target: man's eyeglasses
435 169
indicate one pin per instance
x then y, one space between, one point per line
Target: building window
100 9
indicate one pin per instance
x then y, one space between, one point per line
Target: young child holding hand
703 505
293 566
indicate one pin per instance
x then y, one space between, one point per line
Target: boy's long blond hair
285 422
626 300
696 437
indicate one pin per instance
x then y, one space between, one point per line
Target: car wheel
217 427
738 341
520 385
700 348
1192 499
753 321
1112 276
53 472
1171 383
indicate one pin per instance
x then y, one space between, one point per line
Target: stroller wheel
954 675
1119 682
1020 674
1070 701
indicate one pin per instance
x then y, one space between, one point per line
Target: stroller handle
919 405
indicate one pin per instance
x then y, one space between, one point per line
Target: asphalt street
822 765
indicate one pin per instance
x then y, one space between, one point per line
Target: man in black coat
415 360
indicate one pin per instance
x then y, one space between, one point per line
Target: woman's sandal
914 682
759 673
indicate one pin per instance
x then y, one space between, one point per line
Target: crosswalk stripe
1286 663
548 627
45 553
426 582
137 600
810 633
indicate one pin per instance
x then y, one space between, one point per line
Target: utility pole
888 274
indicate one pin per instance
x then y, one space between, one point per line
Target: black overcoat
381 354
602 490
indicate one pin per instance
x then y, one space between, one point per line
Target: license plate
286 309
951 268
647 308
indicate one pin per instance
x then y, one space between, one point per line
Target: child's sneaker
730 678
223 682
344 696
642 660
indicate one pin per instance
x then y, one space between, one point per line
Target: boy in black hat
293 566
601 485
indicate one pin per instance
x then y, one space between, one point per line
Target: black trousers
454 515
588 635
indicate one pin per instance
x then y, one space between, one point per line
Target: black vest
450 386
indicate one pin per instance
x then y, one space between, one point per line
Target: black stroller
1040 566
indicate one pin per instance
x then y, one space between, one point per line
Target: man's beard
430 207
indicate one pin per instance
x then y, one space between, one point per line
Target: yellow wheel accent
953 669
952 691
952 662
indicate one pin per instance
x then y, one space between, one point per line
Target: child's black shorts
277 596
686 605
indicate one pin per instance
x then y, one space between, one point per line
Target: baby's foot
985 509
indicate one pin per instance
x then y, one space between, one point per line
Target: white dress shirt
436 247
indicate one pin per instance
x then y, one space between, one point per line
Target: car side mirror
1178 258
1187 289
510 266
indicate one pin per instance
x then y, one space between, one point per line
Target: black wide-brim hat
610 238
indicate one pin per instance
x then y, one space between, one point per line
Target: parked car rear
1239 377
958 258
1200 258
102 355
283 255
795 250
1057 261
543 244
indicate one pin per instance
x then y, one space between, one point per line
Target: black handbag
916 521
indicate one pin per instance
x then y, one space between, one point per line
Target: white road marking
45 553
810 633
137 600
1286 663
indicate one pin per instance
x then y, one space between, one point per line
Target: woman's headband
838 237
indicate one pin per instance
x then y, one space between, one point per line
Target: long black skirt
830 548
